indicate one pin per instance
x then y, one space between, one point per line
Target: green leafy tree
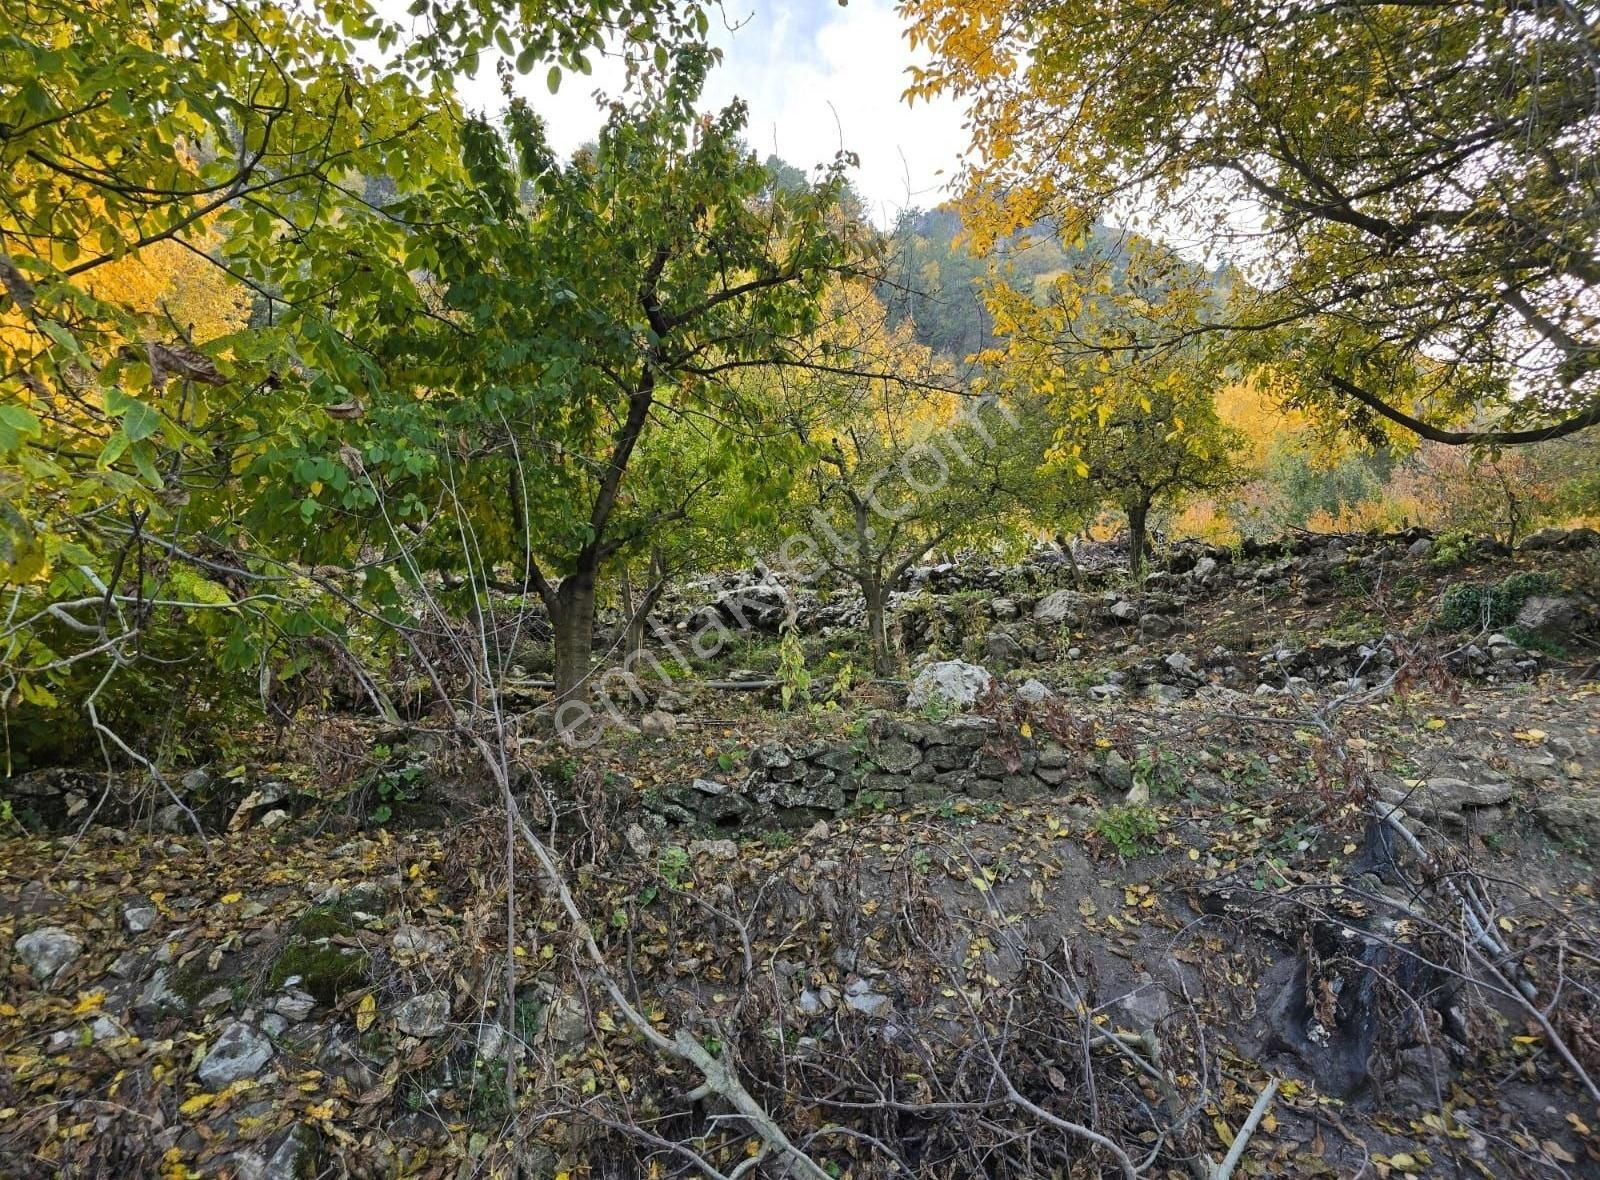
579 316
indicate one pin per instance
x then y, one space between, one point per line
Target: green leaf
139 421
16 423
553 79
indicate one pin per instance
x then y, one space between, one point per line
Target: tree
897 462
1424 251
1132 427
158 467
583 319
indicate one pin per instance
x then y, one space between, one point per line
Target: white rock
952 682
715 849
1034 691
425 1015
239 1052
658 723
48 951
294 1004
139 918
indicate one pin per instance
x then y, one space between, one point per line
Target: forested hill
934 281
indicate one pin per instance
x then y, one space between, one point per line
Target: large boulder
1548 616
955 683
1059 606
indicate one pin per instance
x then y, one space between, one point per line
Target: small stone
139 918
639 842
1180 664
1034 691
48 951
239 1052
274 1025
1116 773
294 1005
1105 692
275 818
1204 568
426 1015
658 723
416 942
715 849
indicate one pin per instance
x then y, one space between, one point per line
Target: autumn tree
153 450
1122 425
1421 253
896 461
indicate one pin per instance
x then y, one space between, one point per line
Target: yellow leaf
88 1002
1435 723
1026 730
366 1012
1530 735
230 898
1224 1132
196 1104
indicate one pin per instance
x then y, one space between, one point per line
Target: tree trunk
1137 518
572 620
882 655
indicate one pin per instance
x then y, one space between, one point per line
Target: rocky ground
1319 817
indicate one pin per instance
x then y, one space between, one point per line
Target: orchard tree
1127 426
576 348
1408 191
897 460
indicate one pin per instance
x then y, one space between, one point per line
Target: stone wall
893 762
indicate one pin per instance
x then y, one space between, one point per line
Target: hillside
1306 820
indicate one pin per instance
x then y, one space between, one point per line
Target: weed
1131 829
1161 771
673 865
794 681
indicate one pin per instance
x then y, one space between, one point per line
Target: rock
139 918
715 849
239 1052
658 723
1115 772
1420 549
1123 611
48 951
895 756
1002 649
1105 692
771 756
286 1163
1155 626
950 682
157 997
1003 609
1180 664
710 787
1165 693
1423 1079
668 701
1447 798
1058 607
1571 817
426 1015
415 942
294 1005
566 1021
1033 691
275 818
1548 616
1204 568
859 997
1545 539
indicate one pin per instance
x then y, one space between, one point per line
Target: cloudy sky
817 76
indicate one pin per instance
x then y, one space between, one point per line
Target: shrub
1469 606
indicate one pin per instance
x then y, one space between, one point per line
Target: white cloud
817 77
